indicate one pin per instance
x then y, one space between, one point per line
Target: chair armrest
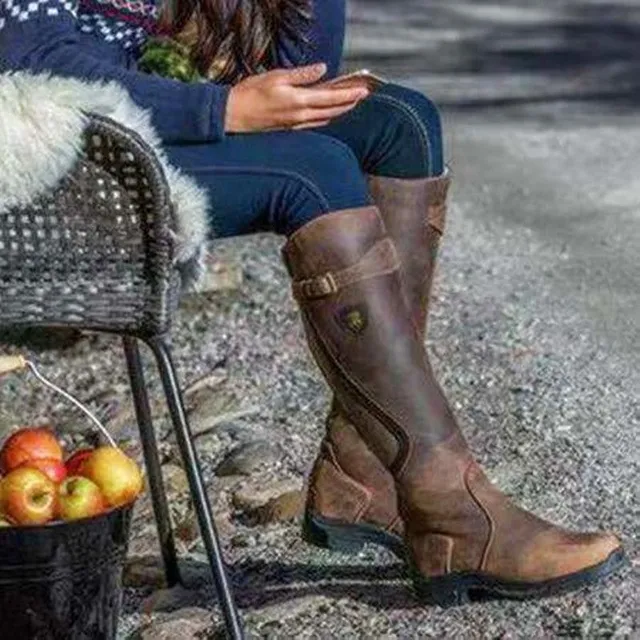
97 251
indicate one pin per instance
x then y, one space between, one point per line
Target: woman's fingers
311 125
308 115
311 118
280 99
299 76
332 97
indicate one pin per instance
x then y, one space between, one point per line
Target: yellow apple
28 496
78 497
117 475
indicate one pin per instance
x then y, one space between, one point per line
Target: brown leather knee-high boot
414 214
462 533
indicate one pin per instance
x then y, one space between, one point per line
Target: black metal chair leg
152 461
198 490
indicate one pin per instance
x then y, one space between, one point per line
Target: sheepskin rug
42 118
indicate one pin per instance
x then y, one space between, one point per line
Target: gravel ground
534 334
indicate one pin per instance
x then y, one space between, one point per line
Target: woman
355 181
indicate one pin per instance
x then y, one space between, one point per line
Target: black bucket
63 581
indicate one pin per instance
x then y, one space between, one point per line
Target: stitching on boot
399 472
405 444
392 525
487 515
437 551
436 214
449 556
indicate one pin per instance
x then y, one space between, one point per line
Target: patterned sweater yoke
126 22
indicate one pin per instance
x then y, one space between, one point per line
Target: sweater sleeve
44 36
325 38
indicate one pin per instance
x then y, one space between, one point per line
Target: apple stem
69 397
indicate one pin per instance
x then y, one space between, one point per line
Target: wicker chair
96 254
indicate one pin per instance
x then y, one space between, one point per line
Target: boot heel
444 591
330 536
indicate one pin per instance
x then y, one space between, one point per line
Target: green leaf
168 58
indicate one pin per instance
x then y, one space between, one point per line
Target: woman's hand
281 99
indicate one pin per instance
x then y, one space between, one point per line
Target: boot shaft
414 214
349 484
346 280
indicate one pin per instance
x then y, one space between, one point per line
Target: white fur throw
41 127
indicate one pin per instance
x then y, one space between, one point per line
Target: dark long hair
238 35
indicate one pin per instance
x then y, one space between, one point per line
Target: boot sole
348 538
463 588
455 589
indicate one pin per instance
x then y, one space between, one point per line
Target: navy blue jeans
281 180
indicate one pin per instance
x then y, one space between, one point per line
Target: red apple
29 444
78 497
116 474
75 461
28 496
53 469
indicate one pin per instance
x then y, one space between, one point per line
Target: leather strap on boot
381 259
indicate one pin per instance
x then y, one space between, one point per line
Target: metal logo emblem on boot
353 318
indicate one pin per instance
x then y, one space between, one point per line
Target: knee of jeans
418 126
328 179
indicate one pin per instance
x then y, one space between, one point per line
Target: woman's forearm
180 111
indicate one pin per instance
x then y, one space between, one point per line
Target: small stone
246 458
224 526
243 431
148 571
177 597
213 406
285 508
243 540
222 276
186 528
109 402
144 571
281 611
122 419
192 623
205 383
175 480
169 453
212 446
253 495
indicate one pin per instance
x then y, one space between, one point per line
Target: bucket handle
17 363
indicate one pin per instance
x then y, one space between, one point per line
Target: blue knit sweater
101 40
